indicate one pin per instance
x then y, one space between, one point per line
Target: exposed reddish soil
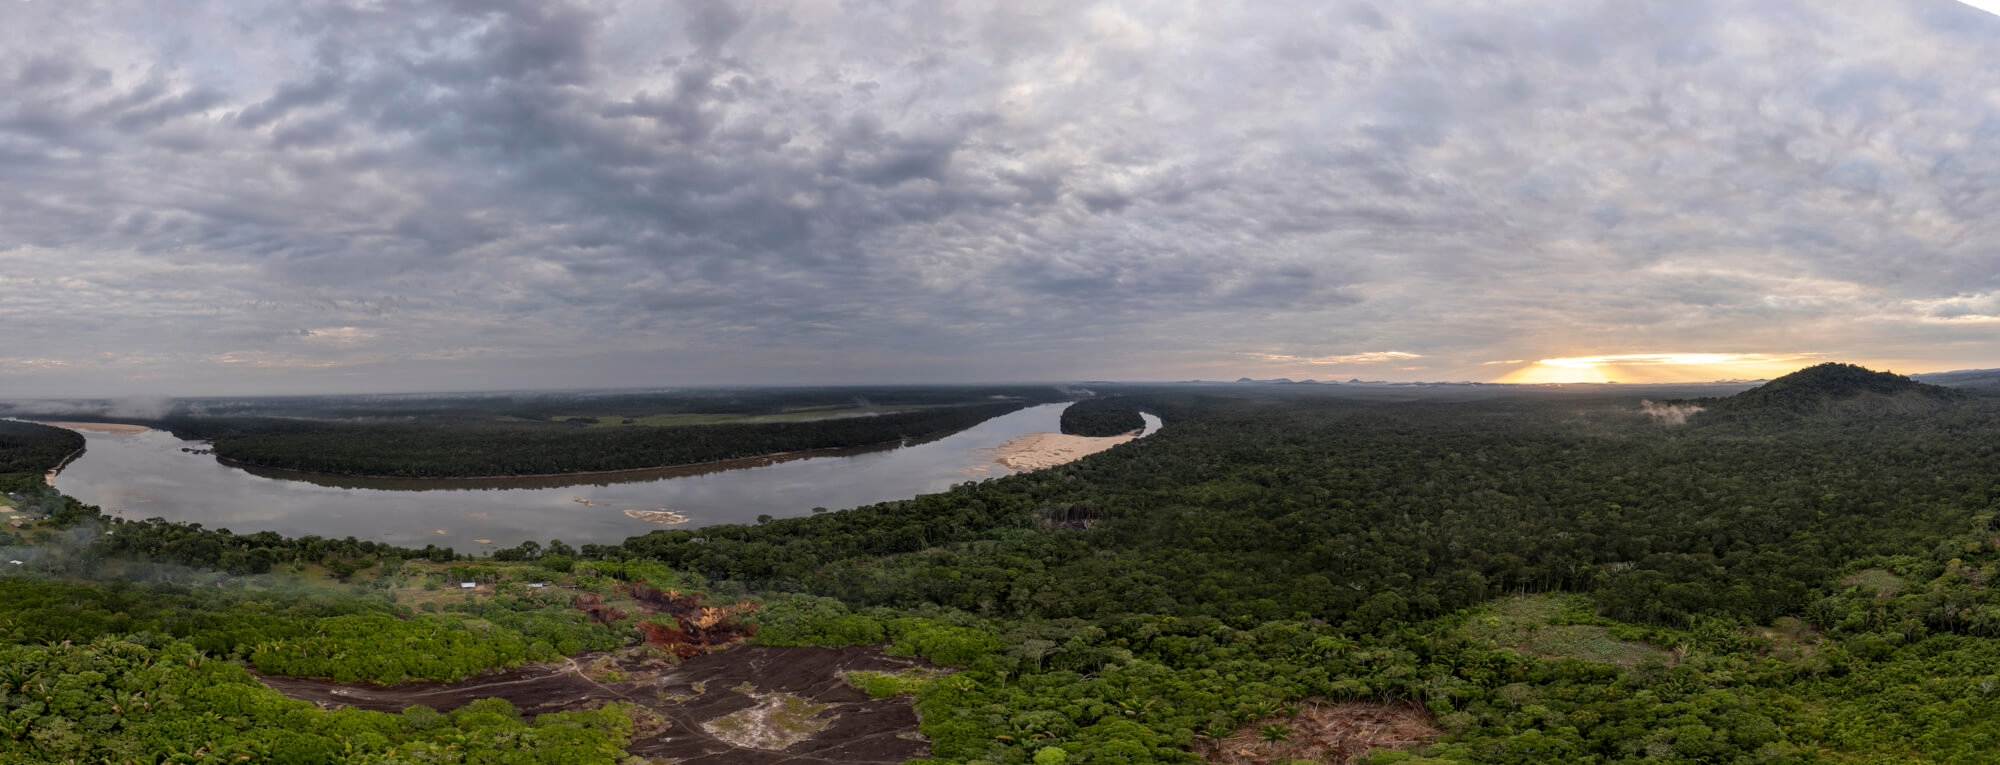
593 604
684 695
692 628
696 629
1325 732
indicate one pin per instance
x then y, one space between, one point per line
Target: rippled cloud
213 196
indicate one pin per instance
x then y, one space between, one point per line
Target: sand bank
100 427
662 516
1036 451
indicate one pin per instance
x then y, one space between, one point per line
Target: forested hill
1833 389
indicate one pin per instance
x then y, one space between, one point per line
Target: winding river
151 473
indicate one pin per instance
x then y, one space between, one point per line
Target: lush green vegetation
1386 529
301 630
1144 688
132 661
1552 578
190 544
491 448
141 700
1102 417
1370 514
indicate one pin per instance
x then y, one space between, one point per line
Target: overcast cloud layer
246 196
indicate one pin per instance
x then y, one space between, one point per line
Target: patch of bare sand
662 516
100 427
1037 451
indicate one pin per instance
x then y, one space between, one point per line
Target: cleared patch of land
1324 732
1789 638
1556 627
707 706
1881 582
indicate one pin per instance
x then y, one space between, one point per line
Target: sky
236 197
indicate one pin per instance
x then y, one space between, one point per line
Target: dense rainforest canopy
1101 417
1545 577
1305 505
496 448
27 447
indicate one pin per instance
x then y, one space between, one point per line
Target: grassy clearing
1557 627
882 685
1878 581
1790 638
418 584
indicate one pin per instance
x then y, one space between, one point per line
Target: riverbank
155 474
114 428
50 477
96 427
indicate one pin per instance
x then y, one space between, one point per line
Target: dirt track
697 690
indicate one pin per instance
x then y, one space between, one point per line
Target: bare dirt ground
687 697
1324 732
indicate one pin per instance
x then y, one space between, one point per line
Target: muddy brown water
684 695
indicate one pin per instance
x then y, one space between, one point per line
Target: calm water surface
146 475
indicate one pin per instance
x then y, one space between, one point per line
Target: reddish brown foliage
594 605
695 628
668 602
670 639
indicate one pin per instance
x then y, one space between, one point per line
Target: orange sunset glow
1659 367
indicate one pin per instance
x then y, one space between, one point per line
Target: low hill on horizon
1968 379
1837 390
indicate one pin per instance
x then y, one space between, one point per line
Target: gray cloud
371 194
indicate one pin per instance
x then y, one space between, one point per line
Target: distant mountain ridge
1835 389
1964 378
